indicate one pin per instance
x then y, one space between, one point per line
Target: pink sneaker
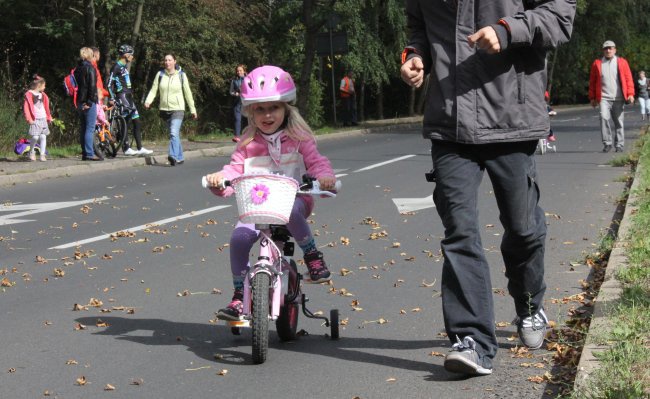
317 267
234 309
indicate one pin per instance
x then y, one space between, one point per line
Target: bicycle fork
266 263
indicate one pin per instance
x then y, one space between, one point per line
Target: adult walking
485 110
235 92
644 101
86 78
349 99
175 91
610 87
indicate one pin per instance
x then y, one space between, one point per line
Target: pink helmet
267 83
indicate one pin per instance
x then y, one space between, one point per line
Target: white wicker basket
265 198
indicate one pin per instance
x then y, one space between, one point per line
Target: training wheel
334 324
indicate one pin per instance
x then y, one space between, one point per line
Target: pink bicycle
272 288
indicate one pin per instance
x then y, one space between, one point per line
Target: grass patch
625 366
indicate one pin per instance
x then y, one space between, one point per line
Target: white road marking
413 204
141 227
30 209
384 163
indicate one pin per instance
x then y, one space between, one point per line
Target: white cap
609 43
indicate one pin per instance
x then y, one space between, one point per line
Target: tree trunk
312 26
380 102
549 85
137 23
89 22
361 114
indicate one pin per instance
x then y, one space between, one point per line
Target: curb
92 167
609 294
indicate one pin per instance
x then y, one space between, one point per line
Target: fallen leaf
109 387
81 381
40 259
391 379
438 354
222 372
71 362
428 285
79 327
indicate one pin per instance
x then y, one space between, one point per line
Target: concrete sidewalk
20 170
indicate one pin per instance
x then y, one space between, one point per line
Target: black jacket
474 97
86 78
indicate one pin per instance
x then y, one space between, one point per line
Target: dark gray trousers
466 288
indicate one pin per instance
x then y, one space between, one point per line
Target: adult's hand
147 105
594 103
195 116
412 72
630 100
485 39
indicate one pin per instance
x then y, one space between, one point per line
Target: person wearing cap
119 86
610 86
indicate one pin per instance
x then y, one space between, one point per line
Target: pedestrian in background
644 102
36 108
349 99
235 92
479 116
175 91
87 98
611 86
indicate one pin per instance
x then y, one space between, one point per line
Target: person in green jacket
174 88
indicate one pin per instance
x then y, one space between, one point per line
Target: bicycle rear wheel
118 131
261 284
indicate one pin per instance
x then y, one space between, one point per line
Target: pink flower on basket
259 194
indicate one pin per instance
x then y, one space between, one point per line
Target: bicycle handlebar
312 187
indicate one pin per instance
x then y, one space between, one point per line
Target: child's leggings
42 142
245 236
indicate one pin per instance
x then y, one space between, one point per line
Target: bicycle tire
118 129
111 145
260 325
287 322
98 148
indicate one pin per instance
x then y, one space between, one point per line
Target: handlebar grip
337 185
205 184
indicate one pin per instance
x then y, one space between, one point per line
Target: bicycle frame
270 261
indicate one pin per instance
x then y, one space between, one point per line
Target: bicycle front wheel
260 307
118 130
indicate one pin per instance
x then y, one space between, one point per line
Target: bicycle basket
265 198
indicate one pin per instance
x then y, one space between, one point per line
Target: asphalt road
153 334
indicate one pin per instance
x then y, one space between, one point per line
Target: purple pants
245 236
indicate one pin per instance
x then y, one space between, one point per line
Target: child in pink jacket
277 140
36 108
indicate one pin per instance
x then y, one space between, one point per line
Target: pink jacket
316 164
28 107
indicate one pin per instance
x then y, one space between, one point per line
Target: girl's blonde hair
86 53
297 129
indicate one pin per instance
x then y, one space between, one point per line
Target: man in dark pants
485 111
349 99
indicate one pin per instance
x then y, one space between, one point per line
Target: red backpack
70 86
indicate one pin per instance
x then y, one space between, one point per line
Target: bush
12 125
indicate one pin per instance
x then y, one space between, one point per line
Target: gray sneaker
532 329
464 359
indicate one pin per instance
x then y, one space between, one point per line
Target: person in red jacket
611 86
37 113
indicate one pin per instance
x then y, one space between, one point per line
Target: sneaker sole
228 317
322 280
463 366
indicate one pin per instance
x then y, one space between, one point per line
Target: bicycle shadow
206 340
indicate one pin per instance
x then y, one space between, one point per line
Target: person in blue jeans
175 91
86 103
485 112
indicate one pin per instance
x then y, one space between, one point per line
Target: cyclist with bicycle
119 86
276 140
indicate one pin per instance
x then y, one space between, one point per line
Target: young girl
276 140
37 113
